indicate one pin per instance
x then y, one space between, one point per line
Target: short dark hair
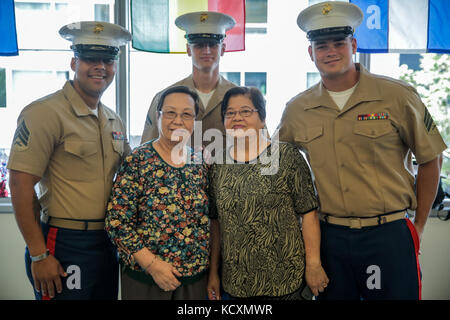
254 94
178 89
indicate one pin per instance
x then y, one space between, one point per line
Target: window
25 81
101 12
149 74
234 77
256 79
256 16
411 60
312 78
311 2
2 88
256 11
250 79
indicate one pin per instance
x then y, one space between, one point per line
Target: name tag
373 116
117 135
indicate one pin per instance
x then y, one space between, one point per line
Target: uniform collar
80 107
366 90
215 99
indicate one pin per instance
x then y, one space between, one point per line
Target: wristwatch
40 257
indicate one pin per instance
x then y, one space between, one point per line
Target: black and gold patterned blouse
261 241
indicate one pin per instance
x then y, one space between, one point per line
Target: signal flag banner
404 26
8 35
154 30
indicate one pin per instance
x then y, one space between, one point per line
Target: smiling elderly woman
158 210
266 253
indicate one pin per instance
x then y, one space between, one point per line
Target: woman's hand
213 286
164 275
316 278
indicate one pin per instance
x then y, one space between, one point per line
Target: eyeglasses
173 115
245 113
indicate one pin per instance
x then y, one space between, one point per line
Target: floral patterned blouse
161 207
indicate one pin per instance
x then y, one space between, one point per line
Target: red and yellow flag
154 30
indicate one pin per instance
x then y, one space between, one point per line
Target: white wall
435 261
14 284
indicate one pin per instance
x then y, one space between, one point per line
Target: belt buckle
355 223
382 220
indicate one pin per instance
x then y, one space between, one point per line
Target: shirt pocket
372 138
372 130
81 160
118 146
312 140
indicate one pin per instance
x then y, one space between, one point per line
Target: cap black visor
329 33
205 38
95 51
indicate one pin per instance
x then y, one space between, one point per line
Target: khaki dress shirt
75 154
361 155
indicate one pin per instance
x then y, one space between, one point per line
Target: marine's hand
419 229
164 275
47 275
316 278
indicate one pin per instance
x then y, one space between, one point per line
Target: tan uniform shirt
361 156
75 153
209 116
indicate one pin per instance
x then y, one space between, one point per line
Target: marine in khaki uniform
71 144
205 32
358 131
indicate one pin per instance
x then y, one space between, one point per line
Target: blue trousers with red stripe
89 259
371 263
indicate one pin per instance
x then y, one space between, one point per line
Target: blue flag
404 26
8 35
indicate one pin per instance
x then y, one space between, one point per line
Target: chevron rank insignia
429 122
21 137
